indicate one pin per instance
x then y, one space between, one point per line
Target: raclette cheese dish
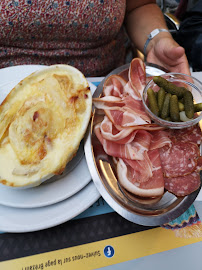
42 121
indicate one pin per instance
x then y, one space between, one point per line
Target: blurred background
184 20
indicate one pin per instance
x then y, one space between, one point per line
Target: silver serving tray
141 211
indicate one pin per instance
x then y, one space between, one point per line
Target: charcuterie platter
138 201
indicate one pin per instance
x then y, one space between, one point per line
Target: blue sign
109 251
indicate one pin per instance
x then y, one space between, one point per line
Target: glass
191 83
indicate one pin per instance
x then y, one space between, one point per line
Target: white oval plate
51 191
18 220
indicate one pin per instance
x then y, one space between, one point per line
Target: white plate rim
9 201
17 73
53 217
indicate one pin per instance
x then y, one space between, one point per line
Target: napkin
187 225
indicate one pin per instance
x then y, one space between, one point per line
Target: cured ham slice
131 114
125 112
131 91
107 101
137 107
140 170
110 132
142 139
99 152
153 187
124 74
183 185
114 86
160 138
157 173
137 75
180 159
125 118
130 150
149 127
122 135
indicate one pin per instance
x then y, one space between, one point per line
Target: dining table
96 237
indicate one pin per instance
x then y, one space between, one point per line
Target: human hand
168 54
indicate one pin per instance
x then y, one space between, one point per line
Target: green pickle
153 105
181 101
170 100
160 98
198 107
166 106
174 109
169 86
189 104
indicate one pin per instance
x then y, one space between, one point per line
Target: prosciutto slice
137 76
133 150
140 170
114 86
137 79
110 132
160 138
142 139
125 135
154 186
131 91
124 74
125 112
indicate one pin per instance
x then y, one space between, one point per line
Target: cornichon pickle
181 100
166 106
174 109
152 101
169 86
160 98
198 107
188 104
181 106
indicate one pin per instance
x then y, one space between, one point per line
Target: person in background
88 34
190 31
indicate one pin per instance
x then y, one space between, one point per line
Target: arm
142 17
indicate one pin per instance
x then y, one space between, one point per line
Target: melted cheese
42 122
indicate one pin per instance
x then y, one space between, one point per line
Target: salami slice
183 185
180 159
199 164
192 134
